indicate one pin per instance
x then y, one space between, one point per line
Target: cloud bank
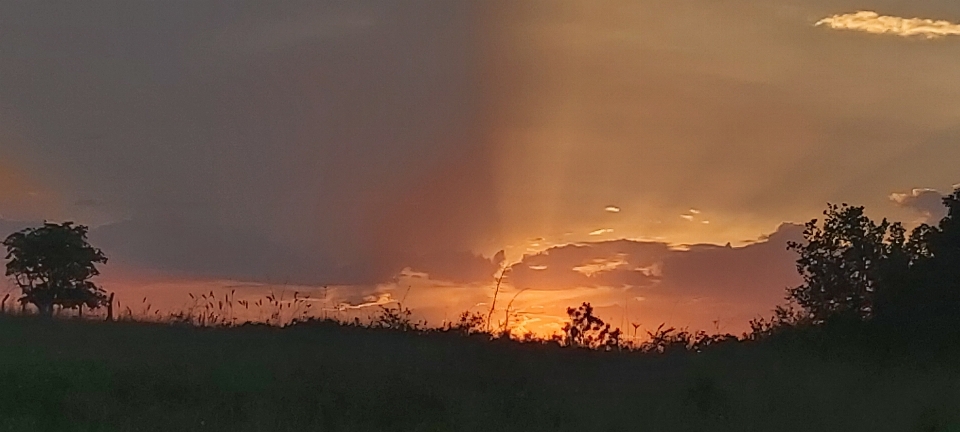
757 272
927 202
872 22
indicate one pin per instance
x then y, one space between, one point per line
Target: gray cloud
756 273
331 24
8 227
610 263
927 202
321 141
201 248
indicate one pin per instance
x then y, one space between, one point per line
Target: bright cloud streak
904 198
872 22
601 265
601 231
613 209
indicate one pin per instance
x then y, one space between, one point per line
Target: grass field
66 375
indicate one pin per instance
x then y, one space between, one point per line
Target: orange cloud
872 22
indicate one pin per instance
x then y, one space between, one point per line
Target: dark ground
95 376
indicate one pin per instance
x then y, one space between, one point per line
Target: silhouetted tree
853 267
53 265
943 242
930 291
588 331
843 263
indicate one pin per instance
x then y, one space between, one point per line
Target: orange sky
326 143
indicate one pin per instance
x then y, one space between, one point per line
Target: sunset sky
652 157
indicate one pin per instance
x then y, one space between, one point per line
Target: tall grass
82 375
278 364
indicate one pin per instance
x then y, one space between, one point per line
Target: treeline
861 278
856 269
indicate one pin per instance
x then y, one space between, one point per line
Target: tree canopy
855 268
53 265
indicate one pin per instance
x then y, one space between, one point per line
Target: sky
652 157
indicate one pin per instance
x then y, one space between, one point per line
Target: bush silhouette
467 324
585 330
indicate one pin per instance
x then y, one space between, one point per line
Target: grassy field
96 376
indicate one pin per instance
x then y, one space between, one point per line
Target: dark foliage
841 263
53 265
467 324
902 287
585 330
397 318
321 376
670 340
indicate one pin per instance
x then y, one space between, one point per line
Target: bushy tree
53 265
585 330
844 262
853 267
943 242
931 289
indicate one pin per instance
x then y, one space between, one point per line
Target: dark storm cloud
258 140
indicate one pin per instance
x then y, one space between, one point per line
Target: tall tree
944 242
53 265
843 263
937 273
